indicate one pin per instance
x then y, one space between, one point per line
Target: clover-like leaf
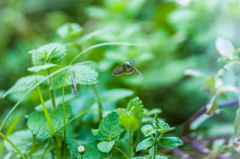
162 127
136 108
84 75
145 144
148 130
234 67
115 95
24 84
38 124
110 128
41 67
105 146
225 48
69 30
170 142
212 106
23 140
53 53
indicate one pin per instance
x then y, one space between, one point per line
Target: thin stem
14 146
64 121
99 102
181 154
202 111
33 143
52 93
49 123
155 146
81 156
130 142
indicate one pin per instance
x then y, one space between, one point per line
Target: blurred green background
179 34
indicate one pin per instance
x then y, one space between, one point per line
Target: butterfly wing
129 69
138 72
120 69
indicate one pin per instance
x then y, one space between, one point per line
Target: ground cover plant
119 79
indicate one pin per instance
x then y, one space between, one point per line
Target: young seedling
155 134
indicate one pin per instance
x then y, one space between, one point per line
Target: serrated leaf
212 106
95 132
84 75
42 67
91 150
147 130
234 67
38 124
105 146
24 84
115 95
129 122
69 30
170 142
162 127
136 108
23 140
53 53
194 73
59 101
110 128
145 144
225 48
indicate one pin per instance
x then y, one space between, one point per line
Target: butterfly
74 85
126 68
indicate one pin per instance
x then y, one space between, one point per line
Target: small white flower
81 149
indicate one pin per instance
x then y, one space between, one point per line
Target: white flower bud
81 149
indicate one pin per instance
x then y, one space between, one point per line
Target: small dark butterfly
74 85
126 68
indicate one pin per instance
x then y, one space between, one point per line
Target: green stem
15 147
99 102
49 123
130 142
46 149
81 156
52 93
33 143
155 146
64 121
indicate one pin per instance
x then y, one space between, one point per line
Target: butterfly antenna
132 61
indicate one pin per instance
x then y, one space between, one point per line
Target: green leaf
237 123
110 128
225 48
129 122
161 157
140 157
105 146
59 101
147 130
38 124
170 142
153 111
234 67
24 84
162 127
212 106
42 67
91 150
53 53
210 81
95 132
115 95
145 144
84 75
218 144
194 73
136 108
23 140
69 30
